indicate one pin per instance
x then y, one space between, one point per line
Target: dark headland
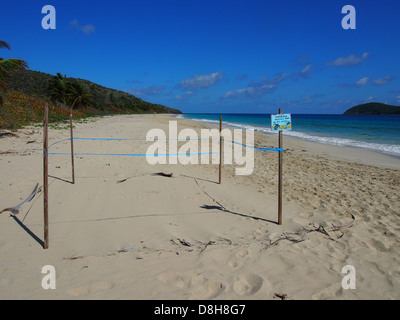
373 108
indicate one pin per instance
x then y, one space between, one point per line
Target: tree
59 89
77 95
7 66
72 94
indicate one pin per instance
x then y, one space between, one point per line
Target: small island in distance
373 108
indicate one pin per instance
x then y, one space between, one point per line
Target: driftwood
300 236
15 210
200 246
169 175
282 296
182 242
8 134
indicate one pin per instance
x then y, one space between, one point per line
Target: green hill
373 108
104 100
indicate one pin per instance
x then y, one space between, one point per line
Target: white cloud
202 81
304 73
383 80
358 84
306 69
256 89
87 29
184 96
349 61
251 91
362 82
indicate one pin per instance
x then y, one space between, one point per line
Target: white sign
281 122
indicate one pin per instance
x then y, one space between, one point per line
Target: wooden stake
280 176
46 177
220 149
72 147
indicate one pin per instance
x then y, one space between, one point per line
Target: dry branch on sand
15 210
301 235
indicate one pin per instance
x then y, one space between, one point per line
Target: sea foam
390 149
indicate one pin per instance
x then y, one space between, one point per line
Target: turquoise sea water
379 133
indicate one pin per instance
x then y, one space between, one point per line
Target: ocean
380 133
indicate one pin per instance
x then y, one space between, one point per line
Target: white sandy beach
187 237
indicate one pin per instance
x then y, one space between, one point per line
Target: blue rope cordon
117 139
144 154
130 154
258 148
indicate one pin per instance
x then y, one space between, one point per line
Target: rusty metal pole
220 149
46 177
280 176
72 147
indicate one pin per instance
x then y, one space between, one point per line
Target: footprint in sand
247 284
242 253
197 284
209 289
378 245
168 276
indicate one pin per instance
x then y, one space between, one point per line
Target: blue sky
251 56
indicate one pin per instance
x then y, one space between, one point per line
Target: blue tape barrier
131 154
258 148
144 154
118 139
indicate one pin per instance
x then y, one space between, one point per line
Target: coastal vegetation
23 94
7 66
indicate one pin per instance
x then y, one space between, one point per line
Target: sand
187 237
